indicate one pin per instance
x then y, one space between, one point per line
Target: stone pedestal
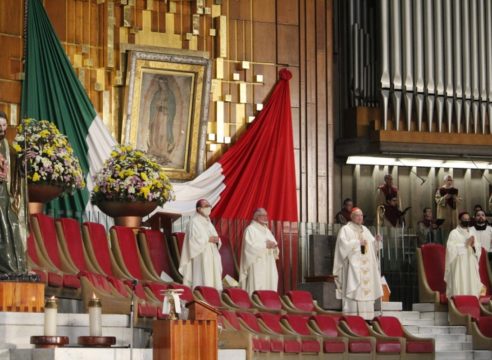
323 292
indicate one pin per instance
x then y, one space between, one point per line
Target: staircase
452 342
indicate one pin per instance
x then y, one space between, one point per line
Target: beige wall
361 181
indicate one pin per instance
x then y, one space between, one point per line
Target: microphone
134 284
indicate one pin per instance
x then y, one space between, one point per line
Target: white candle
95 318
50 313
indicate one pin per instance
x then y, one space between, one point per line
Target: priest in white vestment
258 269
358 278
482 230
200 262
462 254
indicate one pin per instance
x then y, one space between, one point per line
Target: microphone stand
132 316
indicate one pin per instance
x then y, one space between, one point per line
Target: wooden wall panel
288 12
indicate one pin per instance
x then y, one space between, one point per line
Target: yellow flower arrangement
51 159
130 175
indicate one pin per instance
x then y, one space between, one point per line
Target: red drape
259 168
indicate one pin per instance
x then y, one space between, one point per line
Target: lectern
162 221
195 338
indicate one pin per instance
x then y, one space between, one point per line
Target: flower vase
126 213
40 194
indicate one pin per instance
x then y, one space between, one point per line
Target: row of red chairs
270 325
78 261
467 311
431 260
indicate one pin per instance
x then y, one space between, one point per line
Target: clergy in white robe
200 262
482 230
258 269
358 278
462 254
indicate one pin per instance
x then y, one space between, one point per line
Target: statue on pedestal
12 245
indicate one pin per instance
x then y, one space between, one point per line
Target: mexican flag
52 91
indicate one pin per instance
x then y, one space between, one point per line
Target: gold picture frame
167 98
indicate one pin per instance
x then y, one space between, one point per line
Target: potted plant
50 164
130 186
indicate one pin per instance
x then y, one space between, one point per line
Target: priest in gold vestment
200 262
258 270
358 278
463 252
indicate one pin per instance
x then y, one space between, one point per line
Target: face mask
464 223
206 211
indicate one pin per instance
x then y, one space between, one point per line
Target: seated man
258 270
343 216
427 228
463 251
200 262
393 217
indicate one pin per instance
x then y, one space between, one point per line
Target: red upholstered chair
176 244
481 331
229 264
50 255
486 278
249 322
127 256
95 237
415 347
267 301
112 301
386 347
155 253
236 335
464 309
430 265
327 326
126 253
238 299
270 324
71 244
298 325
53 279
301 302
210 295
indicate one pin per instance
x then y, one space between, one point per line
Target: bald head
260 215
357 216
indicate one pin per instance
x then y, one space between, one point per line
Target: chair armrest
412 337
322 311
259 306
480 341
426 294
351 336
384 337
289 306
229 304
456 317
484 311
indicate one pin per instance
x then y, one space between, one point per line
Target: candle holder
95 338
50 339
95 316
